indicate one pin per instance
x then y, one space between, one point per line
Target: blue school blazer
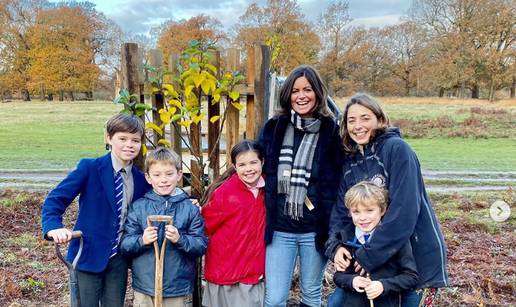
93 181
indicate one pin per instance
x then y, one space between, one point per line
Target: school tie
366 238
119 199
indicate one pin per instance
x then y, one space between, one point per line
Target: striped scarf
294 172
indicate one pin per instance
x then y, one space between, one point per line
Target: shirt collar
259 184
117 166
359 234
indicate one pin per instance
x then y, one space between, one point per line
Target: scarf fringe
295 211
284 185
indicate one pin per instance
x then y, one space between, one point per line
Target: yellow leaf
186 123
164 142
144 150
154 127
175 103
168 90
197 118
155 90
188 90
234 95
198 79
211 67
215 118
228 76
216 97
237 105
207 85
164 116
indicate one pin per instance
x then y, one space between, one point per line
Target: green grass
454 154
53 135
473 207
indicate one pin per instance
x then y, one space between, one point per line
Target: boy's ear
147 177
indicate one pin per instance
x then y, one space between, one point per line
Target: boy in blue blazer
106 186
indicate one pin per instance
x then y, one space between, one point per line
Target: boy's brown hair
125 122
366 192
162 154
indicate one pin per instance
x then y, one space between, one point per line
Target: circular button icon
500 211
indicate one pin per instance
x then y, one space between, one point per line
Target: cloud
138 17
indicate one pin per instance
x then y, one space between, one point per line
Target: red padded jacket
235 226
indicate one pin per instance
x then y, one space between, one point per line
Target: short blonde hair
162 154
366 192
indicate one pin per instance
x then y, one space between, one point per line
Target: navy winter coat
399 273
179 260
328 156
388 160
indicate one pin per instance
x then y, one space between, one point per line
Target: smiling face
361 123
366 216
164 177
249 167
125 146
302 98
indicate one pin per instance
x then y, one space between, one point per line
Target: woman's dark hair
240 148
372 104
321 93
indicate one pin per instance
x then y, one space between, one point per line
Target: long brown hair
372 104
241 147
321 93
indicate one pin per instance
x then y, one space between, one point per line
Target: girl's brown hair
372 104
239 148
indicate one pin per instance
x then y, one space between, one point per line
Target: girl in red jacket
234 215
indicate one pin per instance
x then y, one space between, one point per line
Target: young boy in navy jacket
186 237
105 186
367 203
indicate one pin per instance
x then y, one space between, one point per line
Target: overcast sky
137 16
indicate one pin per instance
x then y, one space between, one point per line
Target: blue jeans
280 261
408 299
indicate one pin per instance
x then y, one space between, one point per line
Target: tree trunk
441 92
513 87
26 95
475 92
491 91
50 96
61 95
42 92
72 98
407 83
462 91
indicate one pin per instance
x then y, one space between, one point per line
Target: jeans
408 299
107 287
280 261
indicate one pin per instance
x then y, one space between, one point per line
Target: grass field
446 134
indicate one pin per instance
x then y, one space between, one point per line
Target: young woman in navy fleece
376 152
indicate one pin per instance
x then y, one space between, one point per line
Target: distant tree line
461 48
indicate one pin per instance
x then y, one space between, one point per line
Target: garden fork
159 254
73 282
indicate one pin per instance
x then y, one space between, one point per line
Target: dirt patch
481 264
481 123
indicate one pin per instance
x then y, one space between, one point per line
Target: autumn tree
175 36
281 25
16 19
332 25
62 56
405 42
472 42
